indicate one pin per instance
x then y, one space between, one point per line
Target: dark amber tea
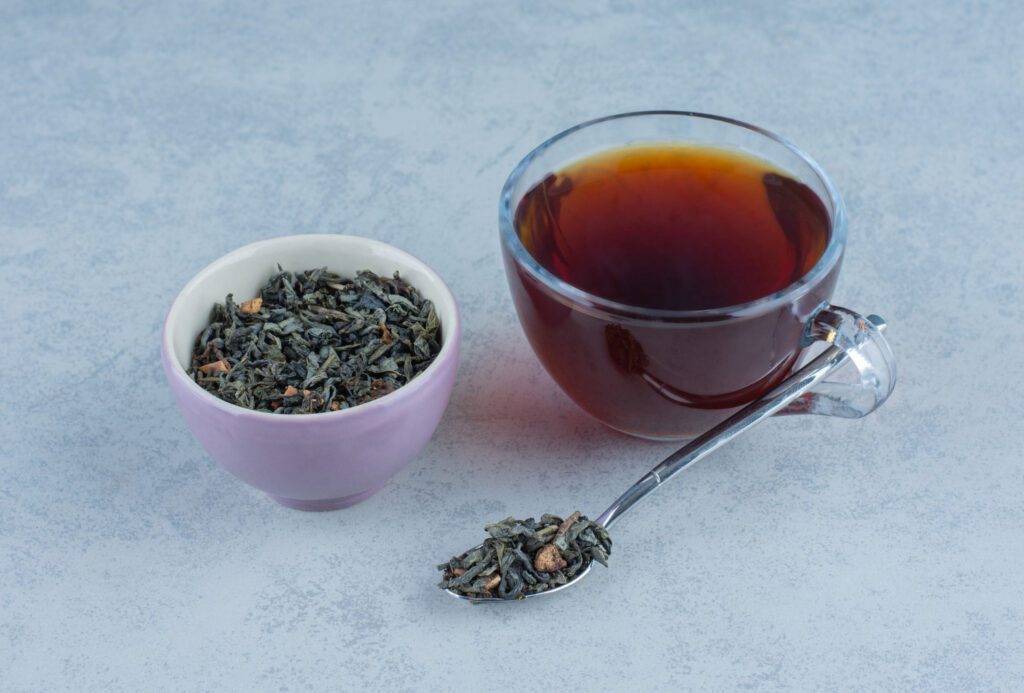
674 227
668 227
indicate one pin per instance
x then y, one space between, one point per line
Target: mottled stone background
138 142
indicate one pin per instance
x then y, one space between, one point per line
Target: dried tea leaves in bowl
314 342
525 556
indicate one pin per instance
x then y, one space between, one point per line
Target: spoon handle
850 337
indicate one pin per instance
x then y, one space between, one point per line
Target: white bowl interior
244 271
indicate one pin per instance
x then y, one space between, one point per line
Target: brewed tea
669 227
674 226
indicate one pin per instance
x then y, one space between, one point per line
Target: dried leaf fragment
379 388
221 366
548 559
568 523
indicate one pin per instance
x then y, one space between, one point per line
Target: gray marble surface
139 142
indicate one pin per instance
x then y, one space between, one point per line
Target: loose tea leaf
314 341
525 556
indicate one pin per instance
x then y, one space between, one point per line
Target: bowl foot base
324 504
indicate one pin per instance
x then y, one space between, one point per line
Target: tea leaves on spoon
524 557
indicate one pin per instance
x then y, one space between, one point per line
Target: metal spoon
845 332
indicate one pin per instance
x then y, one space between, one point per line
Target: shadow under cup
655 373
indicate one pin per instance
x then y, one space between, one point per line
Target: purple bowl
311 461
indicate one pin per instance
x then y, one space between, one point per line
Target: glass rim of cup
603 307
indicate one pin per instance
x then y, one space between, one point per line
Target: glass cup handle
867 378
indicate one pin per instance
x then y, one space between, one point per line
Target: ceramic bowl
311 461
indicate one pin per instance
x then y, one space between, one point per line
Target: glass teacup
671 374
